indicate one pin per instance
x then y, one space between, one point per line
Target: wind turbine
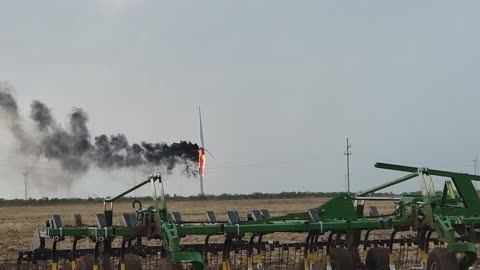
201 154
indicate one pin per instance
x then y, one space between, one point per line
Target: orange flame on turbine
201 161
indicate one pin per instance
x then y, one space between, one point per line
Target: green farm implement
435 230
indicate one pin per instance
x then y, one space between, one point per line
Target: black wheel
377 259
341 259
441 259
133 262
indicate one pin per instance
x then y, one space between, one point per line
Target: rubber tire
377 259
441 259
341 259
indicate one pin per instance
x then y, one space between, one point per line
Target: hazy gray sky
277 81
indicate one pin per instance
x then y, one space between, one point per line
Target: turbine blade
209 153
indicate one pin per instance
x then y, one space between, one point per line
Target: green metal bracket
340 207
170 237
444 229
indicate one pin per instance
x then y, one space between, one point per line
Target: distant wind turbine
201 154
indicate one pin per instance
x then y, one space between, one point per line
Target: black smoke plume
9 104
76 150
40 114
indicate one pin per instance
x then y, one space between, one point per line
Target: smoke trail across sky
77 151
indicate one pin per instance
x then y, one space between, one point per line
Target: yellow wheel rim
433 266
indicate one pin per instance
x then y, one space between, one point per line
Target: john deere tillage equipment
443 226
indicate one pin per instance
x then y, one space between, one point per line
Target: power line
265 163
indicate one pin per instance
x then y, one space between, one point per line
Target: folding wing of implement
440 227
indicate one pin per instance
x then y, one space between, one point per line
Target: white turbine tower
201 154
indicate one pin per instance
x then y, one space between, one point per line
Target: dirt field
17 223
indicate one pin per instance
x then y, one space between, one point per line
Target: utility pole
348 154
25 180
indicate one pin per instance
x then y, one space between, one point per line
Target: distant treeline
175 197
